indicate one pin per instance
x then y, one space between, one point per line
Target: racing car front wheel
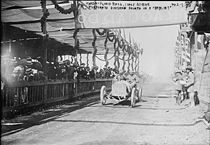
139 94
133 100
103 95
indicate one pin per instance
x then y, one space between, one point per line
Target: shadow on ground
23 122
130 123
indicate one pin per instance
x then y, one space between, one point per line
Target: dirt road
155 121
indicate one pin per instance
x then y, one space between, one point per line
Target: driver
132 79
123 79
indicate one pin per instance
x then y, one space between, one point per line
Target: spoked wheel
133 100
178 99
139 94
103 95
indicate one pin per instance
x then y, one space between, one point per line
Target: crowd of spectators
184 86
31 69
71 71
17 69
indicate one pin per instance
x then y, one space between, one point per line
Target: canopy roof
26 15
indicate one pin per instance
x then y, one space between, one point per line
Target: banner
128 14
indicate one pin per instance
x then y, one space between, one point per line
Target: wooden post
80 58
87 59
76 44
45 37
45 40
76 40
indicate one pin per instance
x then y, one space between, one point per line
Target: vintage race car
120 91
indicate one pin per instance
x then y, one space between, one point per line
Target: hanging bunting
106 50
115 53
44 17
62 10
94 47
124 53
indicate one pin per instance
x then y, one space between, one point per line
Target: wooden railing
23 95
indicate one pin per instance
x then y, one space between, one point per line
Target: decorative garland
75 33
76 44
87 59
101 33
188 3
94 47
136 63
132 63
129 49
123 67
110 36
115 52
105 42
62 10
125 47
120 43
125 60
104 60
129 54
107 51
46 13
43 19
118 54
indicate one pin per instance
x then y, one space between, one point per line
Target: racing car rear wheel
139 94
103 95
133 100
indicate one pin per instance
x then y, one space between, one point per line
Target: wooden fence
23 95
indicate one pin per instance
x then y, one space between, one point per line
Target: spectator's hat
25 62
29 58
29 71
67 61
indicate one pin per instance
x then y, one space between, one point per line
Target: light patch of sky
158 44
